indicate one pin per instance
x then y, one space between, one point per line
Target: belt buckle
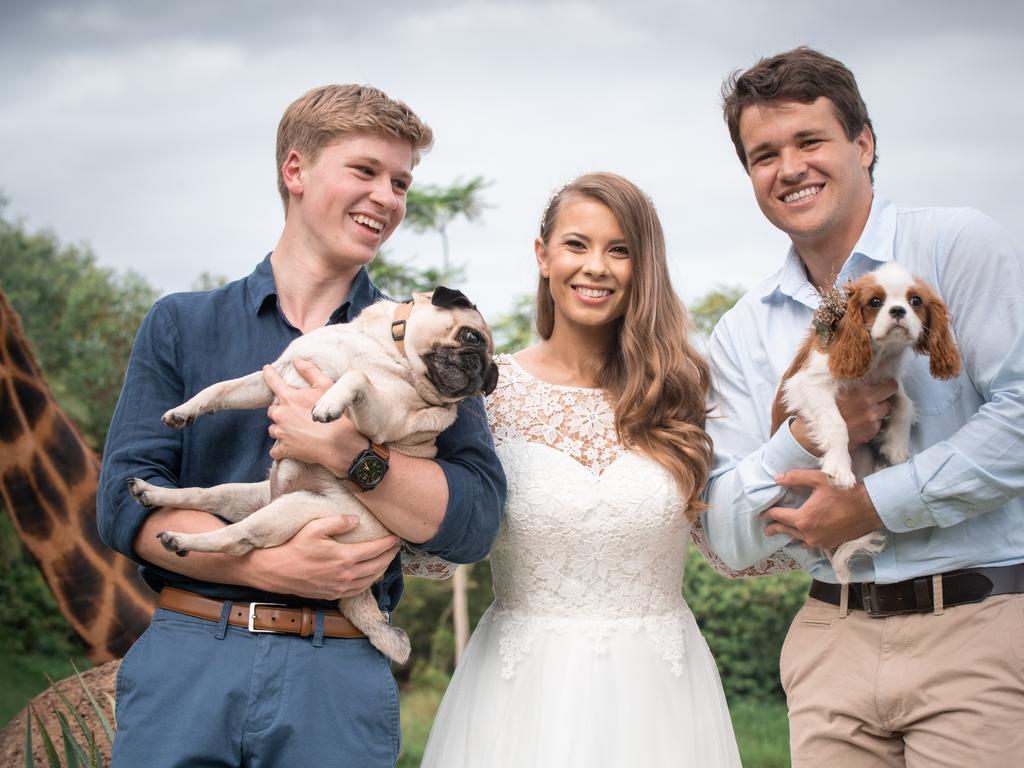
252 618
869 599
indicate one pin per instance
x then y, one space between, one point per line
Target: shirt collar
877 241
874 247
362 294
261 284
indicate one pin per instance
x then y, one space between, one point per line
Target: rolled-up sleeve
138 444
476 488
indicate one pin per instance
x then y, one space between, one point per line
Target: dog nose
898 312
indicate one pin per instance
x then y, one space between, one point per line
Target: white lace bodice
594 536
592 532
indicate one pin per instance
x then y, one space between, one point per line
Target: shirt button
911 522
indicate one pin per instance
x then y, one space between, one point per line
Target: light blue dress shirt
956 503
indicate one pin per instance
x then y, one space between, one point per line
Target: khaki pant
918 690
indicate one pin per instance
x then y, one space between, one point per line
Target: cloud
147 129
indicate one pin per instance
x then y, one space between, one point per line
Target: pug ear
449 297
491 379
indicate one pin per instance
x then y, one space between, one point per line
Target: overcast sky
146 129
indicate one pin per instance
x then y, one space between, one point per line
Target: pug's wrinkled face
449 343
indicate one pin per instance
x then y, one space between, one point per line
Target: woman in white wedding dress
589 655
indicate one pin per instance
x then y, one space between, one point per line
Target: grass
762 732
418 708
24 676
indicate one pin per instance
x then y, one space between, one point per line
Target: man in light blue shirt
921 661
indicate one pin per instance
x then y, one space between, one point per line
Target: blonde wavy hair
656 377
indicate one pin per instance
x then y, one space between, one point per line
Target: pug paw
176 419
172 543
324 413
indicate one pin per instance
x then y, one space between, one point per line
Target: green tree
709 308
515 329
208 280
433 208
80 318
400 280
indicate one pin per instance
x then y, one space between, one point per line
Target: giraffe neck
48 482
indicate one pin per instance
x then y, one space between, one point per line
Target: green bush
744 622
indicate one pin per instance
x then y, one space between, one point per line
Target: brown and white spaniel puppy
887 312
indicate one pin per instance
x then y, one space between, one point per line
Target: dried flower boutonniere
831 308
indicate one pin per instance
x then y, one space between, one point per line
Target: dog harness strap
402 312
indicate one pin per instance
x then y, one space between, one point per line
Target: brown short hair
324 114
803 75
657 378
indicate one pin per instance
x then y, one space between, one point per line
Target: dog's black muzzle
463 371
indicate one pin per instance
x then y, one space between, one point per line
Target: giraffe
48 481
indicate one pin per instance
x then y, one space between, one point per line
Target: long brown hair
657 379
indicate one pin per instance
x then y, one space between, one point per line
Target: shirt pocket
930 395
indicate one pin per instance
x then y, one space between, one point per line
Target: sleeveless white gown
589 655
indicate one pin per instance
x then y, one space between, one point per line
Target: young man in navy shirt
199 687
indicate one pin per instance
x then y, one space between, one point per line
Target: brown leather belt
971 585
258 617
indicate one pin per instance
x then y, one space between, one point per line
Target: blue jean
192 693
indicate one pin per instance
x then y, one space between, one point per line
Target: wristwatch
369 467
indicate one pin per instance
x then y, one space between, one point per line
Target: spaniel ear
936 337
849 356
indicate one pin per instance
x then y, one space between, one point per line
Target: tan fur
849 357
937 342
390 397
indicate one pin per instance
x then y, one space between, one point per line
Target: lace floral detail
779 562
416 563
594 537
577 421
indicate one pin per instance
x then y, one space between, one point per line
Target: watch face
369 471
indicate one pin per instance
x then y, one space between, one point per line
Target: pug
400 371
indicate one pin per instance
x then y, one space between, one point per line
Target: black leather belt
971 585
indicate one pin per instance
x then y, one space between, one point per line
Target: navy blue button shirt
191 340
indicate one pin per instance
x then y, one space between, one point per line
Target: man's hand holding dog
828 518
310 564
413 498
332 444
313 564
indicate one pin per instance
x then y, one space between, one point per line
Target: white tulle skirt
576 699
